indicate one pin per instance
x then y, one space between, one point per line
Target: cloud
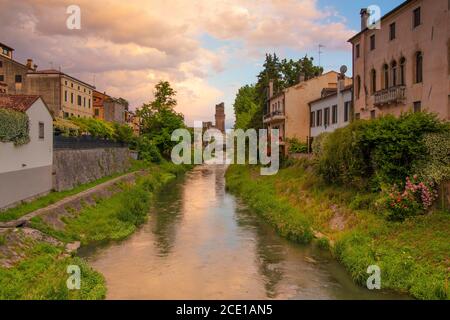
130 45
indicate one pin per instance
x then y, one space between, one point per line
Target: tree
159 119
245 106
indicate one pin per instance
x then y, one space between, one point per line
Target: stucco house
332 110
26 170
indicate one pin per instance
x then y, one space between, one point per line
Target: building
99 99
26 170
114 110
288 110
332 110
66 96
220 117
13 73
404 65
207 125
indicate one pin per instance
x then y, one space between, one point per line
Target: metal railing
390 95
273 114
85 142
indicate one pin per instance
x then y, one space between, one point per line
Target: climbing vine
14 127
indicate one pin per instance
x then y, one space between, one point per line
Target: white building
26 170
332 110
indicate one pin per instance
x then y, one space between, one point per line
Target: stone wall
75 167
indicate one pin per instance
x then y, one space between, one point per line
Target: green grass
413 255
42 274
27 207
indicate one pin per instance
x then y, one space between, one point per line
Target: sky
206 49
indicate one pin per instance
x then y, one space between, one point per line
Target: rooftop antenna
320 52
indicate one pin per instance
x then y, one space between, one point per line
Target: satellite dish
343 69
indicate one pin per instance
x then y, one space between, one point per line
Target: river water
202 243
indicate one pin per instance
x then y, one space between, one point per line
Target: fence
85 142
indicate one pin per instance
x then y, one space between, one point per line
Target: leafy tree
159 119
245 106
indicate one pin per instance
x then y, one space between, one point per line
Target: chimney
30 64
301 77
270 89
364 18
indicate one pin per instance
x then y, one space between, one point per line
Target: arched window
419 67
358 86
373 81
394 73
386 76
402 71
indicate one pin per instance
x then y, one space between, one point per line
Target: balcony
274 116
390 95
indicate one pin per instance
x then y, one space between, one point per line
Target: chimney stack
30 64
364 18
301 77
270 89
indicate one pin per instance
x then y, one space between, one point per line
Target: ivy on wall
14 127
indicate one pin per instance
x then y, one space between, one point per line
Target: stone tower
220 117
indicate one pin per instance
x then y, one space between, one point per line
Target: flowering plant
416 198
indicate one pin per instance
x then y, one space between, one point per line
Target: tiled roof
18 102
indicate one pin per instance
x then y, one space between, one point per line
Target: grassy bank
54 196
413 255
42 274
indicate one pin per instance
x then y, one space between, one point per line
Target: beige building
66 96
404 65
13 74
289 110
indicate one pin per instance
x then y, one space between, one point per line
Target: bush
65 128
295 146
436 166
317 144
135 209
14 127
148 151
95 127
382 151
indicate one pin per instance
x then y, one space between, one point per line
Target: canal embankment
412 254
36 249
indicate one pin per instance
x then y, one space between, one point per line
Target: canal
202 243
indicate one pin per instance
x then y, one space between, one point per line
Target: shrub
65 127
123 133
135 209
95 127
436 166
317 144
14 127
416 198
295 146
148 150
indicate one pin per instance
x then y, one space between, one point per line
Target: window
2 77
419 67
334 114
372 42
392 31
402 71
66 114
394 73
89 103
386 76
373 81
71 85
312 119
416 17
71 97
319 118
65 95
357 53
1 64
358 86
326 115
357 116
41 130
79 100
346 110
84 102
417 106
372 114
65 82
96 112
18 78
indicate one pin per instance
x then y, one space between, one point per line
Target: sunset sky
206 49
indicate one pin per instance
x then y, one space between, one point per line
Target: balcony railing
274 115
390 95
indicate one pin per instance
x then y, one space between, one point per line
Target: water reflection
201 243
